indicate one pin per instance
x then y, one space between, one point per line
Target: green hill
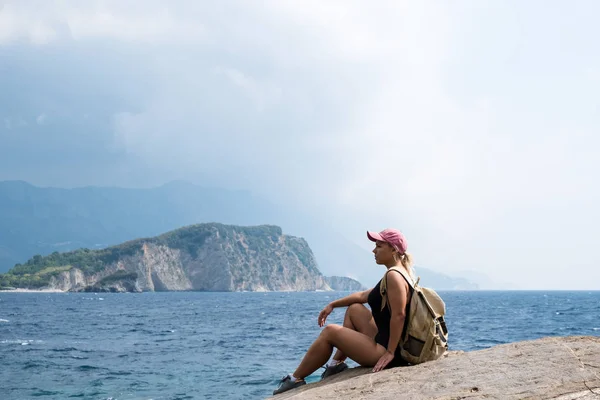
199 257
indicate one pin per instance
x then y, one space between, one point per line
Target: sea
202 345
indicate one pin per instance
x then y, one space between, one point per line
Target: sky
471 126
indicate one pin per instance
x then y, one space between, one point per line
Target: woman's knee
356 308
331 330
359 311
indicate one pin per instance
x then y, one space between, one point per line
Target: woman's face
384 253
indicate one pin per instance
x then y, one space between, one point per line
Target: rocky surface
549 368
204 257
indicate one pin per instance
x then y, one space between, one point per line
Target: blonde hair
407 262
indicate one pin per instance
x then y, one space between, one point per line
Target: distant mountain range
36 220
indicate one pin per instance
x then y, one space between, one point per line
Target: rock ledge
549 368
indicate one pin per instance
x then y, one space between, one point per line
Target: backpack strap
383 285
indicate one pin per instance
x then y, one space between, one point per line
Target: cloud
41 119
25 21
129 24
480 146
262 94
44 22
593 74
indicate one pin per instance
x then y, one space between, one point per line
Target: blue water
222 345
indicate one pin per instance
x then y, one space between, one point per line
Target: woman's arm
397 290
357 297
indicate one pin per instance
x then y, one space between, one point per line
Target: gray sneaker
287 384
336 369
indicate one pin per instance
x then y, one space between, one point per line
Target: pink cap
391 236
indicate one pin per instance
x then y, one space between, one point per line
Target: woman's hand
324 314
383 361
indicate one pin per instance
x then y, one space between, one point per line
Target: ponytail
407 262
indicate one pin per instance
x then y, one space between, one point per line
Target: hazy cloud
472 127
41 119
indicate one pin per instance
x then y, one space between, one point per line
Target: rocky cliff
205 257
343 283
550 368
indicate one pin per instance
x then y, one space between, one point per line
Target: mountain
440 281
205 257
483 281
40 221
343 283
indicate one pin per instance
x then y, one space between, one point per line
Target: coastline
31 291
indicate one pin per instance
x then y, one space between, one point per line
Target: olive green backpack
425 337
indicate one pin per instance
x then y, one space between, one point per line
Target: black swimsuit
382 320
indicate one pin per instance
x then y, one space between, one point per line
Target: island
200 257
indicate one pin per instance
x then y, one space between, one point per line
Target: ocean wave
84 368
85 395
60 350
257 382
141 331
31 364
42 392
20 341
118 373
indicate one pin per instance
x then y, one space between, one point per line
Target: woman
368 337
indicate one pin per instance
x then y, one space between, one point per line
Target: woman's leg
355 345
359 319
